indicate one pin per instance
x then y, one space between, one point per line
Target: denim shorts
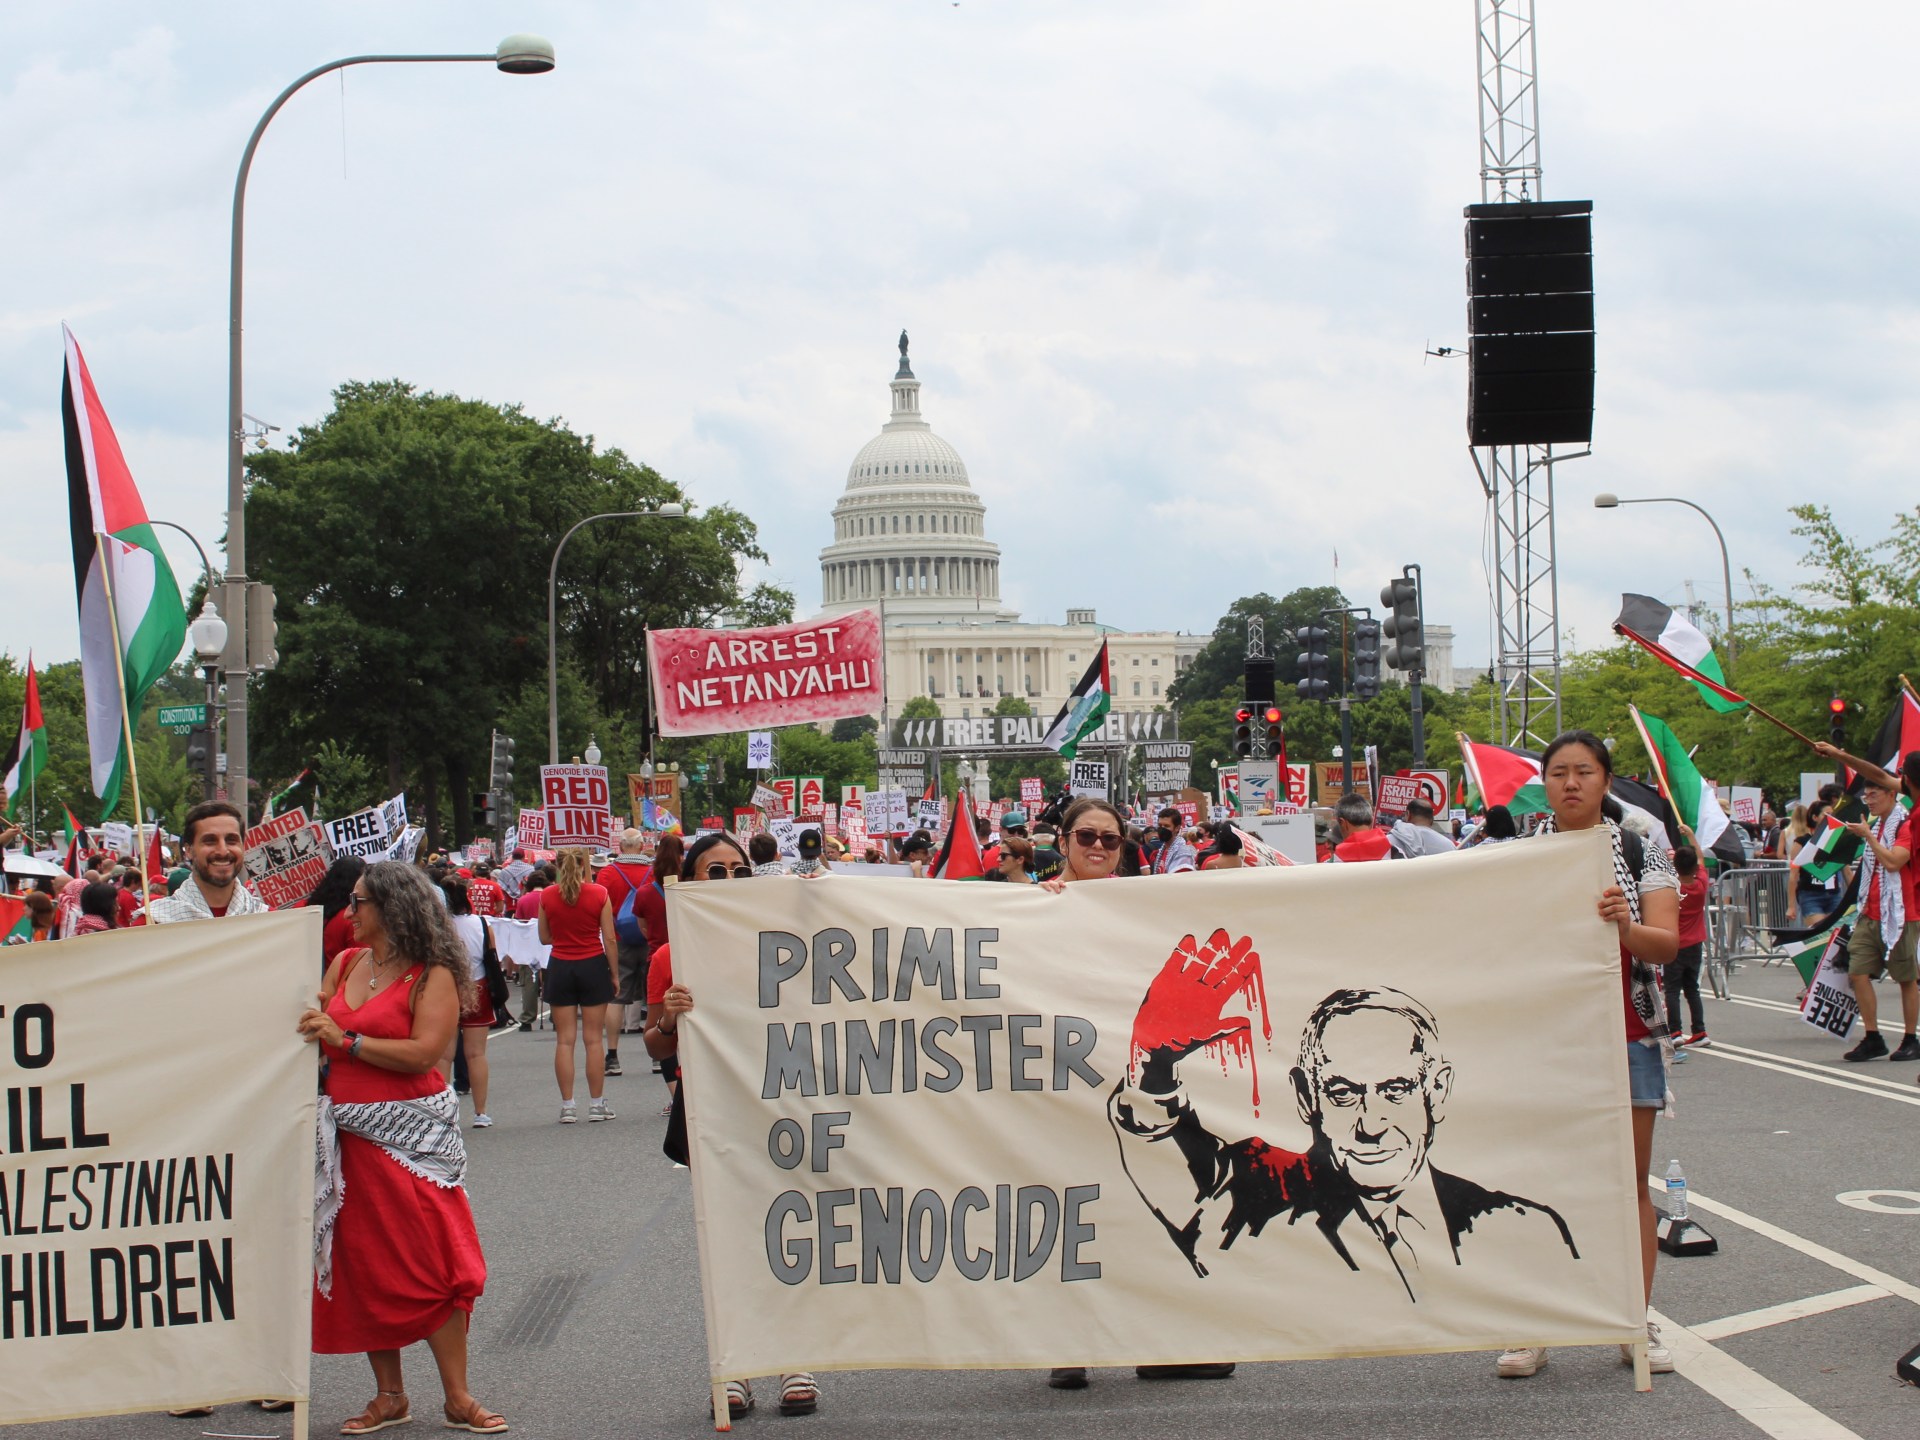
1646 1076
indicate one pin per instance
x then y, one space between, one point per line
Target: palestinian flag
16 921
114 551
1830 851
1505 776
75 862
1085 709
29 756
1671 638
1693 799
959 857
1899 736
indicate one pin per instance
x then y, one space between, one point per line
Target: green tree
1220 667
920 707
1004 776
410 535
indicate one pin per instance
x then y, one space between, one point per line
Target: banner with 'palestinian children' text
156 1190
1240 1115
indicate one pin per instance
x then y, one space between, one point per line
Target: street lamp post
671 510
516 55
1606 500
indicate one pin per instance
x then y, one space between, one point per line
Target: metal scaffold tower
1518 480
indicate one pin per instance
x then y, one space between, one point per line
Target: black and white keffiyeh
1893 911
1656 873
423 1135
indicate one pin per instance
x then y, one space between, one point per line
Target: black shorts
578 982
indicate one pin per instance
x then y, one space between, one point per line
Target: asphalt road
591 1326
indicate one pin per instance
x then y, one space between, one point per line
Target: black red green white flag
1085 710
29 755
1505 776
959 857
1675 641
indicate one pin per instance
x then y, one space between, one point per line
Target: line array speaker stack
1530 322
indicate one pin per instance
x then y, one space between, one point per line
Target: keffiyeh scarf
422 1135
1656 873
1893 907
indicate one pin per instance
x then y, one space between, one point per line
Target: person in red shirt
1360 839
485 893
336 915
576 919
127 903
527 907
629 873
1680 976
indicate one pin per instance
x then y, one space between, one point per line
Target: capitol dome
909 534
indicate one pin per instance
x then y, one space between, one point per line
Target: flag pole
1466 759
1653 757
126 720
1907 685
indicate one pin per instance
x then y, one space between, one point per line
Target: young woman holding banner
1643 905
396 1256
714 856
1092 836
583 975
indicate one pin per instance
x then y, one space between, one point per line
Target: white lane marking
1866 1200
1744 1390
1862 1073
1892 1284
1817 1077
1757 1002
1792 1310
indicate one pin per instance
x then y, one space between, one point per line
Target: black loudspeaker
1530 323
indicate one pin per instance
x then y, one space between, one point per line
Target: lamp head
672 510
524 55
209 634
1606 500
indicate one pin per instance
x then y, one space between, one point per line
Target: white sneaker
1521 1362
1659 1357
599 1110
482 1120
568 1114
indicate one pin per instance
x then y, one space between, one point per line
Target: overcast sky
1169 269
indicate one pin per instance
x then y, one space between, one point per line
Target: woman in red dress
396 1258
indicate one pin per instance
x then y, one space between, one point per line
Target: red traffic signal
1273 715
1242 715
1836 706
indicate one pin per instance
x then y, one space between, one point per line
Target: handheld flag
1899 735
29 756
155 868
1692 798
1505 776
114 552
16 921
959 857
1830 850
75 862
1673 640
1085 709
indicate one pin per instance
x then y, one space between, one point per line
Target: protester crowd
419 961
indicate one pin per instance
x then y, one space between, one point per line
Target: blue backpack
626 924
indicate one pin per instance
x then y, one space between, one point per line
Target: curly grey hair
417 924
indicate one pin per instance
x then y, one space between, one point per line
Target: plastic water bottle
1676 1192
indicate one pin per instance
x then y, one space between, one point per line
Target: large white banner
156 1231
1243 1115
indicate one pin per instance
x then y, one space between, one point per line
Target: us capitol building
910 540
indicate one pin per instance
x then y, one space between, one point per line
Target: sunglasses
1101 839
354 902
717 871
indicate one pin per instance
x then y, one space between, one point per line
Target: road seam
1838 1082
1744 1390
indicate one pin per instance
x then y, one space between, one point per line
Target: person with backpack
628 874
1643 905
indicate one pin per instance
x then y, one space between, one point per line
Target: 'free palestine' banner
156 1185
944 1125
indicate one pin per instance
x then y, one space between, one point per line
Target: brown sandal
389 1408
475 1418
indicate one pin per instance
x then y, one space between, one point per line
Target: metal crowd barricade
1743 908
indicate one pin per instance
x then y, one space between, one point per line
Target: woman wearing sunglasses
576 919
711 857
1092 840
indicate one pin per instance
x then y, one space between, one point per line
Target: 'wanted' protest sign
286 859
926 1133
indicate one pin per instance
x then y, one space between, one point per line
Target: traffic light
1836 720
500 770
1402 627
200 756
484 815
1243 732
1316 669
1366 659
1273 732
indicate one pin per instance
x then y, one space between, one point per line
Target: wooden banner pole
126 720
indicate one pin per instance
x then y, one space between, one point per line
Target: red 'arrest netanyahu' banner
708 682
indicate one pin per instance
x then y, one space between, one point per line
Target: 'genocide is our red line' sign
709 682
